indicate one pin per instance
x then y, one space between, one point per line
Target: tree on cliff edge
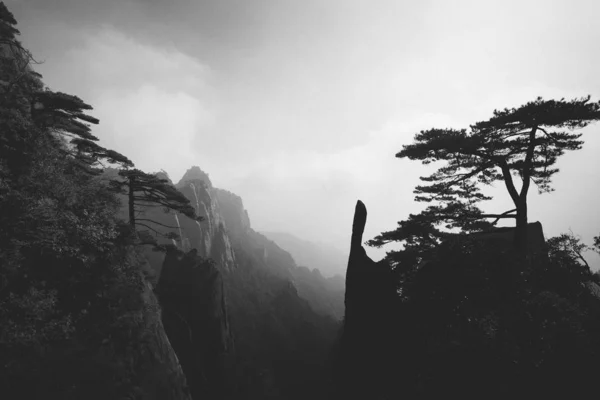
148 190
32 115
523 142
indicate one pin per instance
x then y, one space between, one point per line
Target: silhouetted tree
525 142
65 282
63 115
147 190
568 245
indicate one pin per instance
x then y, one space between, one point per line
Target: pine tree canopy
523 142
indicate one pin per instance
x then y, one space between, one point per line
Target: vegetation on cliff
77 319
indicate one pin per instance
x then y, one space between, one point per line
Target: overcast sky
299 106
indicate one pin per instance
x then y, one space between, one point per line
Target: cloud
312 194
116 62
151 102
153 127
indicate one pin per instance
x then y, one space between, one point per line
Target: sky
300 106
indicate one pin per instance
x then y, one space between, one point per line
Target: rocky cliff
158 371
161 373
191 292
251 290
209 237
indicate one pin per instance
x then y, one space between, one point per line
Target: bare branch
152 229
157 223
504 213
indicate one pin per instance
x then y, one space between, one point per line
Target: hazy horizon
299 107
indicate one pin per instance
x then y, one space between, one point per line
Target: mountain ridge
270 307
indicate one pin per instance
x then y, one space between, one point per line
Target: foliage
72 308
525 142
567 246
478 320
145 190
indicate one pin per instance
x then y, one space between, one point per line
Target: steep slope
325 294
117 347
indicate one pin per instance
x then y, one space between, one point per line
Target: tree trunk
521 230
131 204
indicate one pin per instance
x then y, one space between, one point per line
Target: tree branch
508 181
152 229
157 223
481 216
504 213
549 135
464 177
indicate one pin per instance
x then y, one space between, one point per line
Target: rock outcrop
368 326
236 217
208 237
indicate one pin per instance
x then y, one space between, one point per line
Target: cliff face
208 237
162 375
236 217
156 362
192 293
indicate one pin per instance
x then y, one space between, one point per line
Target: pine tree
525 142
148 190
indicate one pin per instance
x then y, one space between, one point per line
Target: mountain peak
195 173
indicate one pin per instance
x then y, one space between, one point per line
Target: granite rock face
208 237
194 303
157 366
162 375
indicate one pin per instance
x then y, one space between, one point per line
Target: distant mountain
326 259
